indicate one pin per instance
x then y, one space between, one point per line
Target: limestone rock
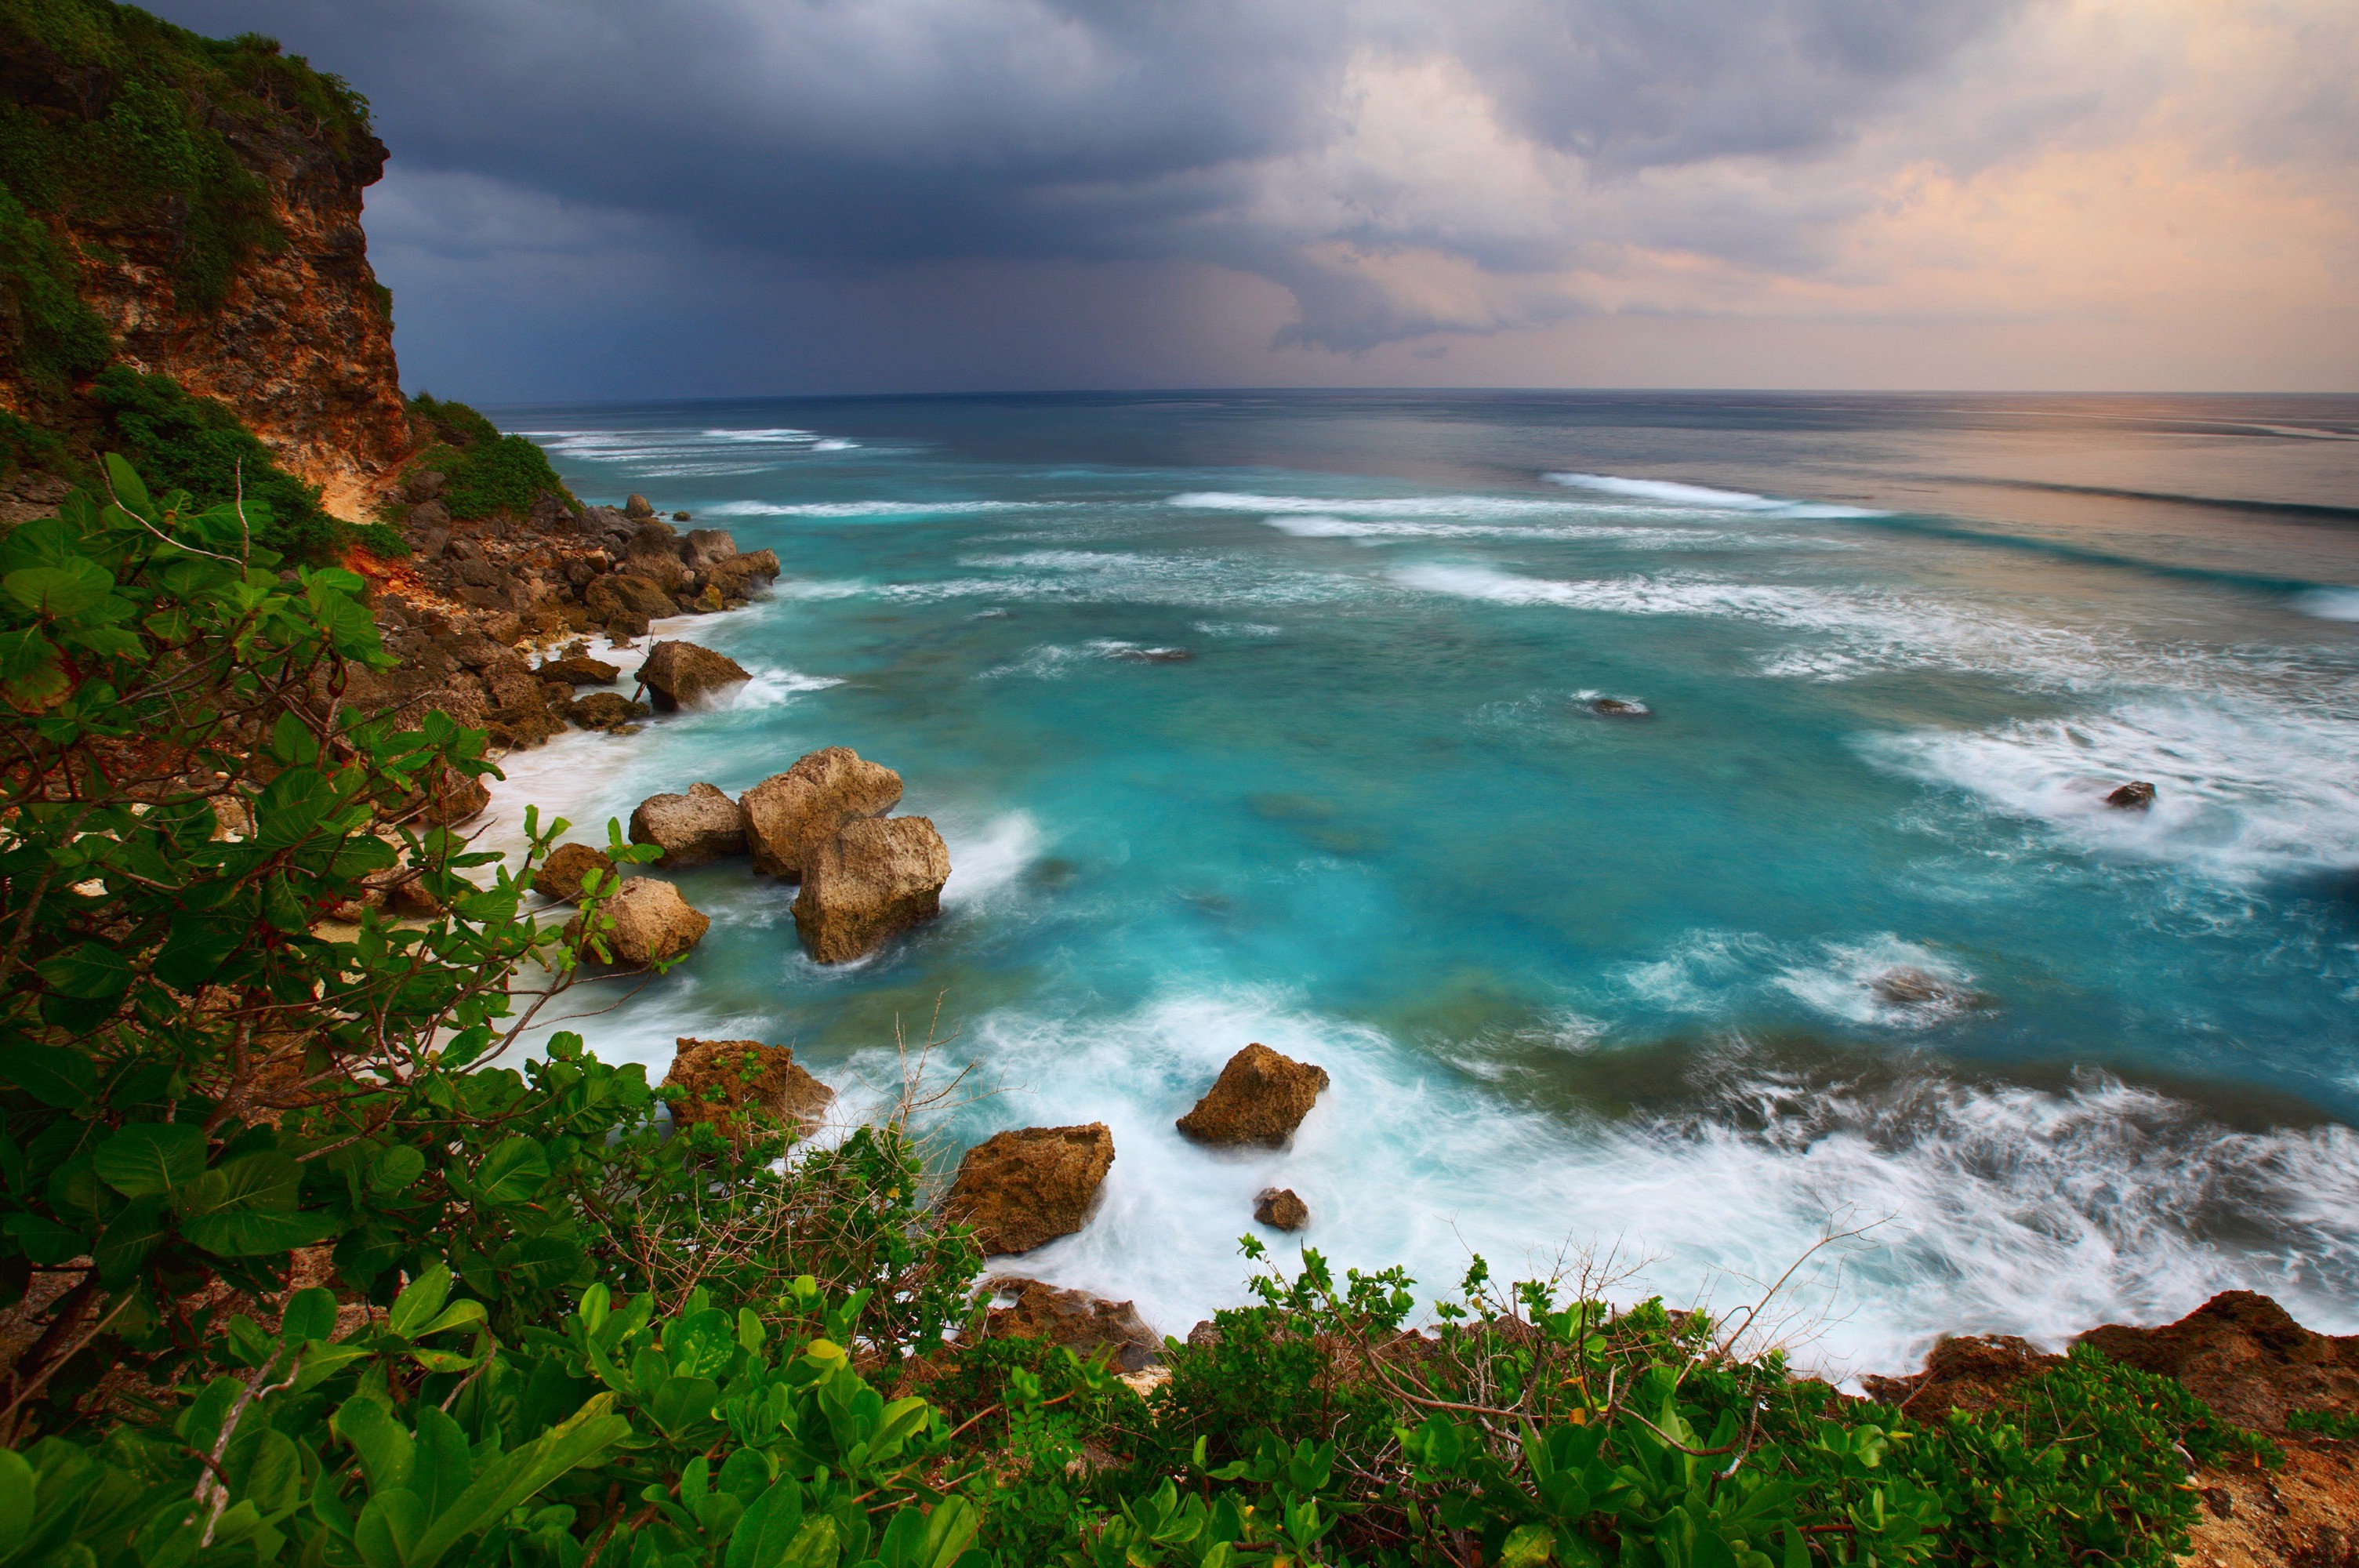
704 548
1260 1097
790 815
1024 1188
2134 796
703 824
425 483
580 670
560 874
1090 1325
457 797
739 576
878 877
429 514
2245 1356
678 673
628 600
1619 708
608 710
635 508
651 924
1278 1207
723 1077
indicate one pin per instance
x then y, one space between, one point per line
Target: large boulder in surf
1090 1326
691 829
1281 1209
704 547
737 576
1026 1188
645 922
790 815
721 1080
560 874
676 674
1260 1097
2134 796
876 878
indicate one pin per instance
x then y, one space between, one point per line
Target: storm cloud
1347 176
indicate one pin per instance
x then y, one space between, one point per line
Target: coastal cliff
191 208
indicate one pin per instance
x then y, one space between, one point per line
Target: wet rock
609 711
1022 1188
1260 1097
722 1078
702 826
738 576
1909 987
676 674
1619 708
560 874
876 878
1090 1326
2134 796
1278 1207
704 547
679 516
636 508
790 815
580 670
645 922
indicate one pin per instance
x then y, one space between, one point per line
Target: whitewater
1621 986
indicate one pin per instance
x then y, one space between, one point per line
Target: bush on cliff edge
485 471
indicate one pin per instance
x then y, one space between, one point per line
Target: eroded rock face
560 874
724 1078
628 602
702 826
1278 1207
1090 1325
738 575
651 924
676 674
2245 1356
876 878
1022 1188
790 815
704 547
1260 1097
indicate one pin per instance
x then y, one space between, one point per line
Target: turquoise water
1581 981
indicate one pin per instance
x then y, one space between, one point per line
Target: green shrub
2332 1424
199 444
25 444
58 339
486 473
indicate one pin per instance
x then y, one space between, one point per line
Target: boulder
580 670
723 1077
425 483
626 598
704 547
876 878
427 545
651 922
429 514
457 798
678 673
1616 707
703 824
1278 1207
636 508
680 516
1092 1326
608 710
560 874
1260 1097
739 576
790 815
1021 1189
2134 796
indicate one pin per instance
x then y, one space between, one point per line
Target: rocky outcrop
2245 1356
790 815
723 1080
676 674
580 670
2134 796
560 874
1260 1097
1023 1189
608 710
646 921
624 603
876 878
1281 1209
702 826
1090 1326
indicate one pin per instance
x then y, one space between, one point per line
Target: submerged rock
701 825
2134 796
1260 1097
1617 708
876 878
724 1077
651 924
1022 1188
1278 1207
1092 1326
790 815
560 876
1154 655
1911 987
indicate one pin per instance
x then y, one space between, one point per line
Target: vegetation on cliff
303 1272
484 472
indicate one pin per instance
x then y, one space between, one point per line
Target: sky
594 200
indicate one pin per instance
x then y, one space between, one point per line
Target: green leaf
195 951
129 491
245 1208
151 1158
385 1449
513 1172
16 1501
765 1536
1527 1546
310 1314
290 809
513 1479
396 1169
292 741
30 672
44 1240
419 1301
389 1530
86 970
138 1231
52 1075
67 588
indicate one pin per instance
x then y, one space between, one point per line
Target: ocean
1836 937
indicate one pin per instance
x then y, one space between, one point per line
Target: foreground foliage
302 1271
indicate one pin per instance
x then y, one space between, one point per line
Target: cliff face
202 198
